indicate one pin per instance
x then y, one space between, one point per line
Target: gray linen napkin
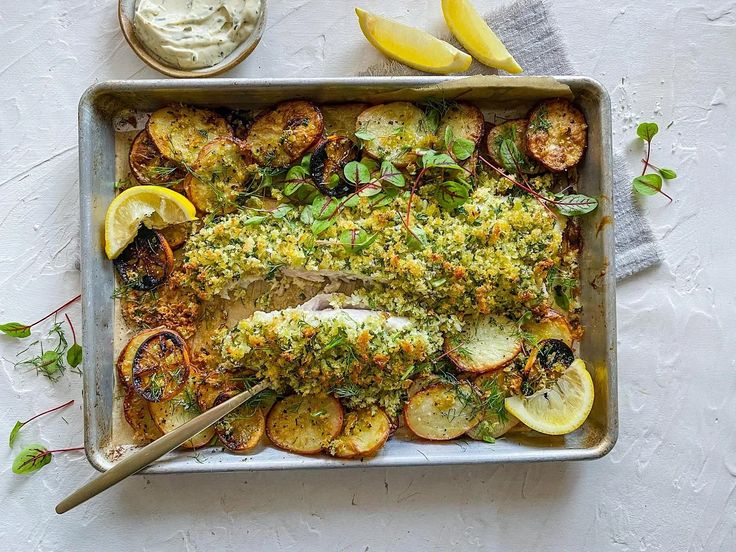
527 30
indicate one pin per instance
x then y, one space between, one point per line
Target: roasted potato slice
464 120
490 343
557 134
443 411
218 177
364 433
170 414
495 420
177 234
161 366
150 167
124 364
340 119
327 163
138 416
393 132
305 424
240 430
515 132
147 262
180 132
552 326
280 136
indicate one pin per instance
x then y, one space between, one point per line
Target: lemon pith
475 35
410 46
154 206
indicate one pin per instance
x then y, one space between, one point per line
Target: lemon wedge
154 206
473 33
411 46
560 409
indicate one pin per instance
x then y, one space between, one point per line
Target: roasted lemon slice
560 409
155 206
473 33
411 46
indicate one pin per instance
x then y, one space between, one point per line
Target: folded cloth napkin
527 30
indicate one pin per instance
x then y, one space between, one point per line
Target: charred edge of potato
514 130
304 424
442 412
552 326
364 433
557 134
149 166
397 130
240 120
492 343
340 119
138 416
147 262
465 120
157 376
218 177
180 132
280 136
241 429
328 160
124 364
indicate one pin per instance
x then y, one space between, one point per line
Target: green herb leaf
417 239
370 190
439 160
391 175
281 211
351 201
253 221
647 131
306 161
510 155
668 174
14 433
448 136
324 207
363 134
462 148
306 216
51 363
648 184
357 173
15 329
575 204
356 241
74 355
32 458
319 226
452 195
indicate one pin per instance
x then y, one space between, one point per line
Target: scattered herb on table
16 329
19 425
34 457
650 183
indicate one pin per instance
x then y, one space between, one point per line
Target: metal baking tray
104 103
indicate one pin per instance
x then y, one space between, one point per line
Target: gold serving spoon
153 451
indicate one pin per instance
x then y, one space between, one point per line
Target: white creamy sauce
191 34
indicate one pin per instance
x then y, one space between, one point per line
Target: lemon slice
154 206
473 33
411 46
560 409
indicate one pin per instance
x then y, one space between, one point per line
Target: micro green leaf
324 207
668 174
357 173
448 136
319 226
452 195
370 190
14 432
32 458
391 175
74 355
255 220
462 148
648 184
18 425
281 211
439 160
417 238
356 240
363 134
510 155
575 204
15 329
647 131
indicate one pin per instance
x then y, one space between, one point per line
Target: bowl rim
230 61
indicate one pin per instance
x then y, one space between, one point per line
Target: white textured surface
667 486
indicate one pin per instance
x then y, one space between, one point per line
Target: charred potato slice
557 134
327 162
147 262
170 414
442 412
242 429
218 177
150 167
364 433
124 364
515 131
138 416
180 132
465 121
161 366
177 234
340 118
552 326
492 424
490 343
393 132
280 136
305 424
